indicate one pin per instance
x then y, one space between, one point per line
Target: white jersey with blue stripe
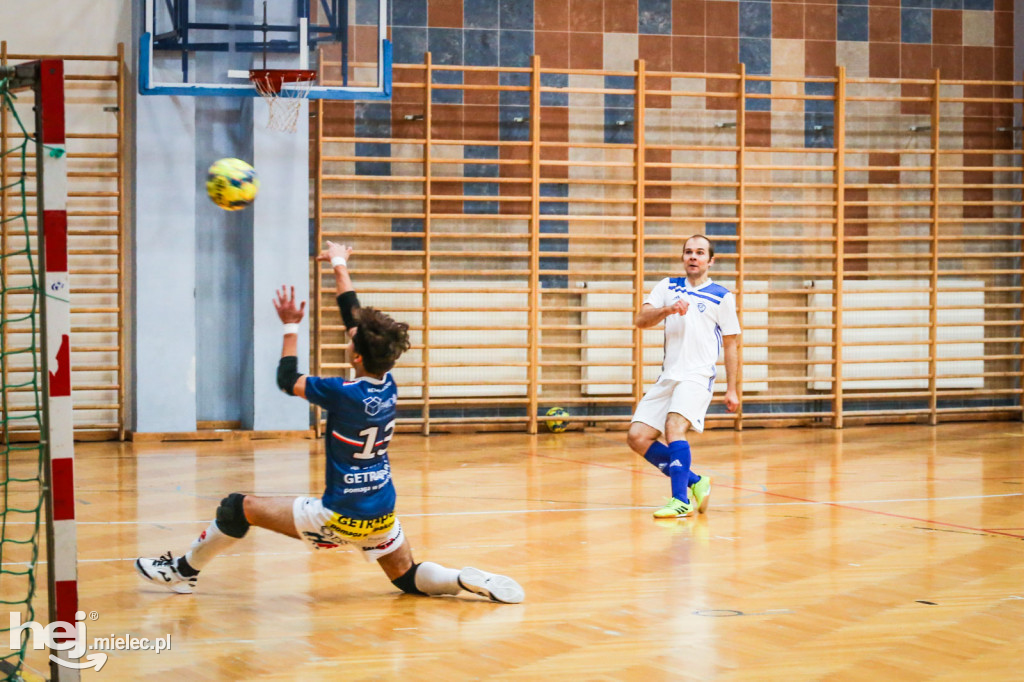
360 423
693 341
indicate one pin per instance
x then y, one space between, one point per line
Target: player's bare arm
650 315
337 255
290 313
729 345
348 303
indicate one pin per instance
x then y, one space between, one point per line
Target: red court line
804 499
911 480
875 511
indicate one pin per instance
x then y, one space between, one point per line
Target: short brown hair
711 247
380 340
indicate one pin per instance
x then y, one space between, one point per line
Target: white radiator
479 325
898 360
608 338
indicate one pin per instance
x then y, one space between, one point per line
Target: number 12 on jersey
373 447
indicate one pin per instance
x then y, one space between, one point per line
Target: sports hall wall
859 171
464 220
95 205
195 341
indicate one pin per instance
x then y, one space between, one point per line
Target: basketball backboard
208 47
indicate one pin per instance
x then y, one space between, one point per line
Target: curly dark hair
380 340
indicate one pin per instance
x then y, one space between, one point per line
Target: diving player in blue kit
358 503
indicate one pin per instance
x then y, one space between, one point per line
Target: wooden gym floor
870 553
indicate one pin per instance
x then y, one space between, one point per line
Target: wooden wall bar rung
96 234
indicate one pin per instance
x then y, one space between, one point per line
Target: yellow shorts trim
357 529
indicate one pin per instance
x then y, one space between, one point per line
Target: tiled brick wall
969 39
909 39
878 38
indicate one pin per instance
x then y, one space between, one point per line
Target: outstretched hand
334 250
284 304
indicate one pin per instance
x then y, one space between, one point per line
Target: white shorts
325 529
688 398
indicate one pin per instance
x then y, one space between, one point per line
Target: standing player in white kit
700 319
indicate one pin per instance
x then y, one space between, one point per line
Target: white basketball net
284 104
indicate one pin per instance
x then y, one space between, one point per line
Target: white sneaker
491 585
164 571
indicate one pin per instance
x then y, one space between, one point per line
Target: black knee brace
407 583
231 516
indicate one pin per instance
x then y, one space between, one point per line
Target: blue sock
693 478
657 455
679 468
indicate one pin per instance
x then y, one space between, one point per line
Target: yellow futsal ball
232 184
557 425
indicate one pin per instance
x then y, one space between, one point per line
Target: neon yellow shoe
674 508
701 492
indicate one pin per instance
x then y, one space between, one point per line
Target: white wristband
291 328
338 260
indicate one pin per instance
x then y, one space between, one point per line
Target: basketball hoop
283 104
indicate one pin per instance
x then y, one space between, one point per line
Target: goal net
36 451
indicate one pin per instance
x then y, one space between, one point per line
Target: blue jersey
360 423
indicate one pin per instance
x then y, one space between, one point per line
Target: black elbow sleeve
348 304
288 373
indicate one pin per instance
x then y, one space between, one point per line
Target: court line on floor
838 505
506 512
841 505
512 512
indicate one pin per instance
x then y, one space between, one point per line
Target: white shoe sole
178 586
495 587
